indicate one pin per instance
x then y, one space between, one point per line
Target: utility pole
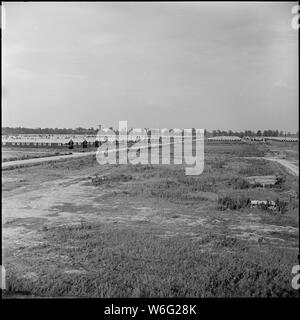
285 138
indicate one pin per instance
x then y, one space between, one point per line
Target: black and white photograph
150 150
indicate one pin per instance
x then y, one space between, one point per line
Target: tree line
250 133
22 130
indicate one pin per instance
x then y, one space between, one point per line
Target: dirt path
33 161
29 162
291 167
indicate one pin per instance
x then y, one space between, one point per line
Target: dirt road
33 161
291 167
29 162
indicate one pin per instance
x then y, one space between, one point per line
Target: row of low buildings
31 139
288 139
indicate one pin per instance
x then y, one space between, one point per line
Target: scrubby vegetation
159 233
256 168
233 203
110 179
128 263
239 183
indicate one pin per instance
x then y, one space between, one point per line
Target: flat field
13 153
79 229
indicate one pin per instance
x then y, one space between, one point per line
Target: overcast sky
204 65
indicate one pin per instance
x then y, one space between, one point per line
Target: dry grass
96 261
184 246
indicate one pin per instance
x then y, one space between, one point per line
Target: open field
45 158
76 228
13 154
284 150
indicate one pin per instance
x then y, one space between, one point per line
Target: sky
160 65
